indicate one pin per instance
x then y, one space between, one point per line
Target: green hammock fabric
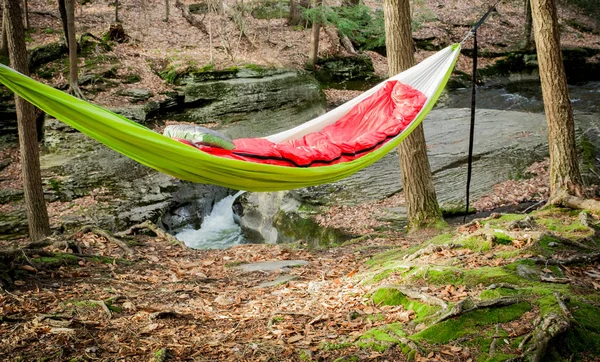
187 163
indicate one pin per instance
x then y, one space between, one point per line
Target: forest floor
151 299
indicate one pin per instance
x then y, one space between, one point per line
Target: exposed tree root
189 17
155 229
468 305
549 327
566 241
414 294
576 259
104 234
565 199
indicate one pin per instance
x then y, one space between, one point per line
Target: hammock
250 166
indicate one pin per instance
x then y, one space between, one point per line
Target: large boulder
253 95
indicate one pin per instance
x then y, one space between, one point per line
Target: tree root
576 259
468 305
414 294
549 327
563 198
566 241
104 234
155 229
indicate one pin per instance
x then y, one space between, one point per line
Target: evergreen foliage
365 27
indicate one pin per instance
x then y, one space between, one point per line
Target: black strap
483 18
472 130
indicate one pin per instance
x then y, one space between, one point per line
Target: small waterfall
218 230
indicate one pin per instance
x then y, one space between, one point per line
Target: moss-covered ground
489 261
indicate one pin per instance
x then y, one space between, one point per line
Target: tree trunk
314 40
26 12
4 45
37 215
421 201
72 41
295 17
62 9
116 11
564 169
166 10
528 25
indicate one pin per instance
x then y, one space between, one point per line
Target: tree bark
26 13
295 17
4 45
421 201
62 9
564 169
37 214
528 26
116 11
72 41
314 40
167 11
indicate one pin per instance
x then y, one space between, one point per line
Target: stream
218 230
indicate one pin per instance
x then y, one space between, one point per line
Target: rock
278 281
269 266
46 53
275 217
344 68
198 8
139 113
527 272
254 95
136 94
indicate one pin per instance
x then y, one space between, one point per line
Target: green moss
382 276
509 254
390 296
502 238
561 227
476 243
381 338
504 219
58 258
234 264
471 323
304 356
328 346
498 293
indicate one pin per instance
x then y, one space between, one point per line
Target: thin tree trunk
62 9
528 25
4 45
37 214
421 201
166 10
26 12
564 169
116 11
314 40
72 41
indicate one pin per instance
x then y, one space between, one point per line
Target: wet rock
276 217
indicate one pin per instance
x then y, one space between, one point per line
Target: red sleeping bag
375 120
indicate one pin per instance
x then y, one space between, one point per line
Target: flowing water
218 230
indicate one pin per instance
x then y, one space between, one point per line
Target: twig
494 341
103 306
104 234
563 306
